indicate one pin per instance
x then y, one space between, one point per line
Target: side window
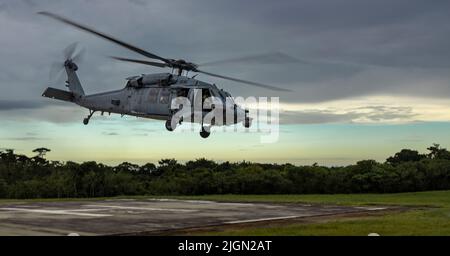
206 97
153 95
164 96
205 94
182 92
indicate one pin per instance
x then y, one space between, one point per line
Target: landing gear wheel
169 126
86 120
204 133
247 123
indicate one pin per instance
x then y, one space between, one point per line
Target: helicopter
153 95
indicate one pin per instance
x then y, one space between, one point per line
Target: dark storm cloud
6 105
138 2
348 48
30 3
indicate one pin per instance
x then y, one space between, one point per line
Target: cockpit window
183 92
139 82
225 95
206 93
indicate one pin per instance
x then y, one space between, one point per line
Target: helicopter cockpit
226 96
209 94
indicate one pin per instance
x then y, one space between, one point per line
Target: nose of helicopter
242 115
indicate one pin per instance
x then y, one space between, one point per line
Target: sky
369 77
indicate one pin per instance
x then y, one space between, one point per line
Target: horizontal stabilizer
58 94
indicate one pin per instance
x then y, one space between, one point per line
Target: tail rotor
72 54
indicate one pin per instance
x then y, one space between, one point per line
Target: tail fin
58 94
72 79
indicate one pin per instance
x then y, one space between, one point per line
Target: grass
433 220
429 198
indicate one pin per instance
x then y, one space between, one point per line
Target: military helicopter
151 95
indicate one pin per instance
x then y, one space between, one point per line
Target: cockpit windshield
226 95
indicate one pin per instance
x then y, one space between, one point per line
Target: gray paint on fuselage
133 101
150 96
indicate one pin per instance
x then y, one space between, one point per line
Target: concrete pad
133 216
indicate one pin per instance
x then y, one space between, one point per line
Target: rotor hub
183 65
70 65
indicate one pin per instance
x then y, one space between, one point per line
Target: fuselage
151 95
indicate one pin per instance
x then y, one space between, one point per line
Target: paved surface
121 216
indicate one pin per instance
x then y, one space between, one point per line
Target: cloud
316 117
6 105
110 133
146 130
383 113
350 48
366 114
26 138
49 113
140 134
138 2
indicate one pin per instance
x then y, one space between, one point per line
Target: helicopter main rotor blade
245 82
69 51
267 58
144 62
56 71
105 36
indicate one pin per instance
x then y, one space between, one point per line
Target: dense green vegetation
35 177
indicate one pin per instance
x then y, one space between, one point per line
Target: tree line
35 177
